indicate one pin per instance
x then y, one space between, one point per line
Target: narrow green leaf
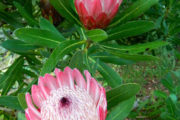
77 61
121 111
46 25
32 60
8 18
6 33
10 71
63 49
22 100
111 76
28 6
171 107
10 102
129 29
18 46
64 8
97 35
91 67
39 37
29 73
121 93
109 58
72 4
28 88
135 57
137 9
137 48
11 75
30 19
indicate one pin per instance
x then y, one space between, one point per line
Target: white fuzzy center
78 105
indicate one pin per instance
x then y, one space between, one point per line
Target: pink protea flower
66 97
96 13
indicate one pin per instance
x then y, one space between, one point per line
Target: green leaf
72 4
28 6
137 9
174 98
176 30
109 58
10 102
129 29
171 106
18 46
97 35
111 76
39 37
168 83
121 93
30 19
21 116
77 61
121 111
176 75
22 100
32 60
28 88
160 94
64 8
2 6
63 49
13 74
8 18
46 25
177 54
136 58
6 33
137 48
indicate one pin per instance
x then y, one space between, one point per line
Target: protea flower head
68 96
96 13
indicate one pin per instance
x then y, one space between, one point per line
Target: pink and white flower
96 13
68 96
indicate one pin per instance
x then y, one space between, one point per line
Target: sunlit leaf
39 37
97 35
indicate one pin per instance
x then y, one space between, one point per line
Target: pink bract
68 96
96 13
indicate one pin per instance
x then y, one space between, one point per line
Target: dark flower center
64 102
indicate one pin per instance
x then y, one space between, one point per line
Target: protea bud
68 96
97 13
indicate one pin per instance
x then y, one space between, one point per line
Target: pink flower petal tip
68 96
